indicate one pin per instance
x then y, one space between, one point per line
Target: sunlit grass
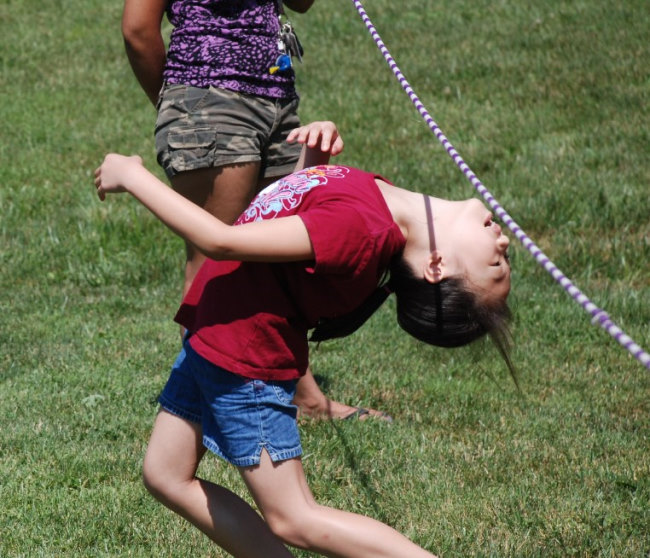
547 103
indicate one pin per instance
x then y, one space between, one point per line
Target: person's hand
114 173
300 6
323 135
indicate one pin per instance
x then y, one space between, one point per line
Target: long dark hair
444 314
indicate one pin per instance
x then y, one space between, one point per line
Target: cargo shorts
200 128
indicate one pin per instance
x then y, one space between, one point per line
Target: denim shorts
209 127
239 416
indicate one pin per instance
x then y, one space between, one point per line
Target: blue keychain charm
281 64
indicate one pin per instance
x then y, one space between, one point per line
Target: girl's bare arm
300 6
276 240
144 43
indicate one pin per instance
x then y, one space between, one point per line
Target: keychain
288 46
291 42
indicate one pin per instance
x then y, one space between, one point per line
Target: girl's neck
410 214
407 208
409 211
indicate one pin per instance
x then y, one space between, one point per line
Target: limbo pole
598 315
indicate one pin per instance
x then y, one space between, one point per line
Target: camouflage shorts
199 128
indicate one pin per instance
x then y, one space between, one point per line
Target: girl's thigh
175 447
225 191
278 488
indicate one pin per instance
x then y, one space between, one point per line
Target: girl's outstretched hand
323 135
115 172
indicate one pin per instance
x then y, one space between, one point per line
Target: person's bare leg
169 473
226 192
313 403
281 493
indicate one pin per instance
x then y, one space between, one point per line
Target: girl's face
480 249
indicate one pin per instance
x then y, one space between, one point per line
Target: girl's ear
434 271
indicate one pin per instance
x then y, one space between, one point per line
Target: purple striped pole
598 315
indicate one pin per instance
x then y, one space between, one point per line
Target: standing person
314 245
224 113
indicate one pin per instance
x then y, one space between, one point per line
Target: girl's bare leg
169 472
312 402
281 493
222 191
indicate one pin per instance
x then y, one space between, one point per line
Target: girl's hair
445 314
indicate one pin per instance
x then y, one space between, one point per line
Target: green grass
549 105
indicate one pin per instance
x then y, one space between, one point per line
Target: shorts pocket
284 391
191 149
195 99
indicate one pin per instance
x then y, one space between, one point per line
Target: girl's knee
160 482
294 527
153 480
287 530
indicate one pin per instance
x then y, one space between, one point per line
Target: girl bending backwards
311 248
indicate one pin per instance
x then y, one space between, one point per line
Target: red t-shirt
252 318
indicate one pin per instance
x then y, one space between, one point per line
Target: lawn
548 103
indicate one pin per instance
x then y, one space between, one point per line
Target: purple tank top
230 44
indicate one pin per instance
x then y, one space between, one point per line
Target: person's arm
275 240
319 140
145 48
300 6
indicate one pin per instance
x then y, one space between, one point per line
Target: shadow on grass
363 479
